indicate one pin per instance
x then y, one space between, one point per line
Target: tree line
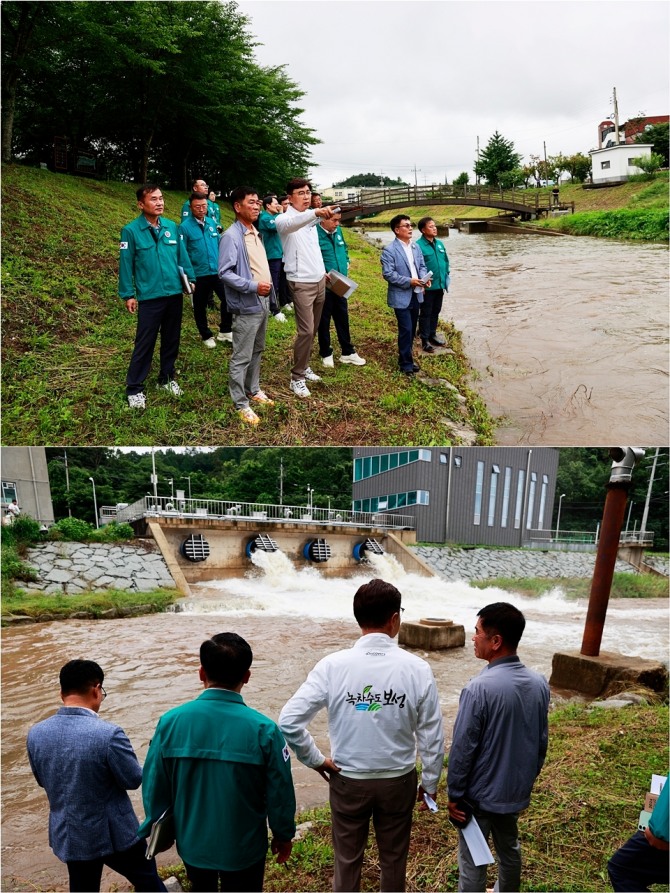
151 90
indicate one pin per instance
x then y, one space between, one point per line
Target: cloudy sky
396 84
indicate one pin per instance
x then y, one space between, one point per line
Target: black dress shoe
408 372
437 340
427 348
416 368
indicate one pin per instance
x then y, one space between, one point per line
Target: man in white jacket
305 274
383 706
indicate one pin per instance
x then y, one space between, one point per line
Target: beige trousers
308 299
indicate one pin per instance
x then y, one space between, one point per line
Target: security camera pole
624 461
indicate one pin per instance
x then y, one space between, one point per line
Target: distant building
498 496
26 479
615 164
344 193
607 135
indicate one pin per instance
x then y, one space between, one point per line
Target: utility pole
477 174
67 483
645 514
281 480
616 116
546 166
415 178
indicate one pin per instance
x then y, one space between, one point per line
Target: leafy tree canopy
659 136
497 159
370 180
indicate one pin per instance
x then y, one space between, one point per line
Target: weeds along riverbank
67 340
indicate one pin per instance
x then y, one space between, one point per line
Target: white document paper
657 782
479 848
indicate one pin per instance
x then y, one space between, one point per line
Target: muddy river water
568 335
291 622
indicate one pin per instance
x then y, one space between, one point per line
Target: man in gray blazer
404 269
86 766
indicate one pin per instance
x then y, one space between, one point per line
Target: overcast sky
394 84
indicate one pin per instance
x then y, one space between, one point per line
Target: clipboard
162 834
341 285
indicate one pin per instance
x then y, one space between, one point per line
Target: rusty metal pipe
610 532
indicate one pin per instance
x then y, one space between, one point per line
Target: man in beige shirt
245 273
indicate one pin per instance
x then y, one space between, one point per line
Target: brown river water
151 665
568 335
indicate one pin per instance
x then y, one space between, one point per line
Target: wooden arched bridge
525 203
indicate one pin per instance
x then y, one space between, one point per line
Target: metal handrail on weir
230 510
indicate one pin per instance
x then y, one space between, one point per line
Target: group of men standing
255 272
223 770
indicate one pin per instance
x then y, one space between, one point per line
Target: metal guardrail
166 507
629 537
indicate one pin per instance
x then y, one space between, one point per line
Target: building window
495 471
543 502
370 466
631 162
505 504
518 508
9 491
531 499
479 487
458 461
443 459
392 501
604 165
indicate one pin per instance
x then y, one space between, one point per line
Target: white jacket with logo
300 242
383 707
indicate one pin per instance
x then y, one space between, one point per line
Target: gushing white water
277 587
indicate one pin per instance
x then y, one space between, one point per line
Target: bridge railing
413 195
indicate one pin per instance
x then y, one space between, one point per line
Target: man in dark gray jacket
498 747
86 767
245 273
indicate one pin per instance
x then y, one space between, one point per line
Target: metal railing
627 537
228 510
435 193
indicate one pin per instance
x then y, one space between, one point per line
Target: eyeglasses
302 192
402 610
104 693
407 225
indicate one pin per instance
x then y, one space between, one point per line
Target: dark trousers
204 286
279 281
430 313
389 802
158 315
407 318
337 309
206 880
85 876
636 865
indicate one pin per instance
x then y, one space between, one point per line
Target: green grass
67 340
585 804
623 585
15 601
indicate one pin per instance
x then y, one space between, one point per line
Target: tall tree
497 159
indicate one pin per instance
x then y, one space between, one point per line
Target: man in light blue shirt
498 746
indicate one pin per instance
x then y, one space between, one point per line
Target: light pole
310 497
95 505
187 477
171 483
558 517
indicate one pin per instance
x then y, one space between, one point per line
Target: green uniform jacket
225 769
267 225
435 255
334 250
213 210
149 267
202 245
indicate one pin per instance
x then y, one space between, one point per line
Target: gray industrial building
496 496
26 479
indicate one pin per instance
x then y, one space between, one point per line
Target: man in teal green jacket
267 227
435 256
335 257
151 251
224 770
212 208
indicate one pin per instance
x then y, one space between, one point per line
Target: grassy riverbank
108 604
585 804
636 210
623 585
67 340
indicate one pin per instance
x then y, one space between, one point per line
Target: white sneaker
137 401
172 387
311 376
279 317
352 358
289 308
209 342
225 336
328 362
299 388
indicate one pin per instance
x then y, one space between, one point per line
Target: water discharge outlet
369 545
262 542
316 550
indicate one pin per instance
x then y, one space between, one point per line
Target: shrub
23 531
114 532
71 529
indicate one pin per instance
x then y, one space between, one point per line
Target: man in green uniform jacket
151 251
435 256
213 210
335 257
267 227
225 771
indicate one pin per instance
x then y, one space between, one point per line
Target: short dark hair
240 193
397 219
314 193
79 676
225 658
196 196
297 183
282 198
197 180
268 199
145 190
504 619
423 222
375 603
